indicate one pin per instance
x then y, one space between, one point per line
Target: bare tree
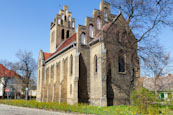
26 67
155 64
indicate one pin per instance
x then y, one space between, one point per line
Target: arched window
105 14
121 62
67 34
95 63
91 30
71 64
83 38
62 34
98 23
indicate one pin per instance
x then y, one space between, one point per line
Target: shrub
145 101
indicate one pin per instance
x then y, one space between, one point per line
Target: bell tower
61 29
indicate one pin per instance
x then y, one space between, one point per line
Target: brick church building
91 65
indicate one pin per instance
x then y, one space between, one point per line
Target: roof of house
4 72
162 83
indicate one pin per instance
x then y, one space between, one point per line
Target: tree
155 64
26 67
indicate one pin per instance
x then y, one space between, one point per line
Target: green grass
79 108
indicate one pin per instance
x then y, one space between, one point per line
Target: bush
145 101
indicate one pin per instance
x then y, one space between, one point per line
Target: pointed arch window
67 34
98 23
62 34
83 39
71 65
91 31
95 63
121 62
105 14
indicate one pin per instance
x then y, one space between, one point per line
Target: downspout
101 97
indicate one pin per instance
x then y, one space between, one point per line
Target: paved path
12 110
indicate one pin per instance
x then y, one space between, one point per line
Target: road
12 110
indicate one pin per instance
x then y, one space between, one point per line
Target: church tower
61 29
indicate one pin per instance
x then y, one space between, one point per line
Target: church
96 64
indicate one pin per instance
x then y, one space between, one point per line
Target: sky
25 24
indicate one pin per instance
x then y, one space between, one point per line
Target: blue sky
24 24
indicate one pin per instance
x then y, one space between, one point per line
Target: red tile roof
67 42
4 72
46 55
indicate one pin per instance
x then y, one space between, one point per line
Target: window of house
95 63
98 23
83 39
62 34
121 62
67 34
91 30
105 14
71 64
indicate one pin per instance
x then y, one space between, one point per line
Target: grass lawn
80 108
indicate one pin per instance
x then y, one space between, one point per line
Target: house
78 68
11 81
164 85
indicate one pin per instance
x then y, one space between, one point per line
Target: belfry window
121 62
95 63
67 34
71 64
62 34
98 23
83 39
91 31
